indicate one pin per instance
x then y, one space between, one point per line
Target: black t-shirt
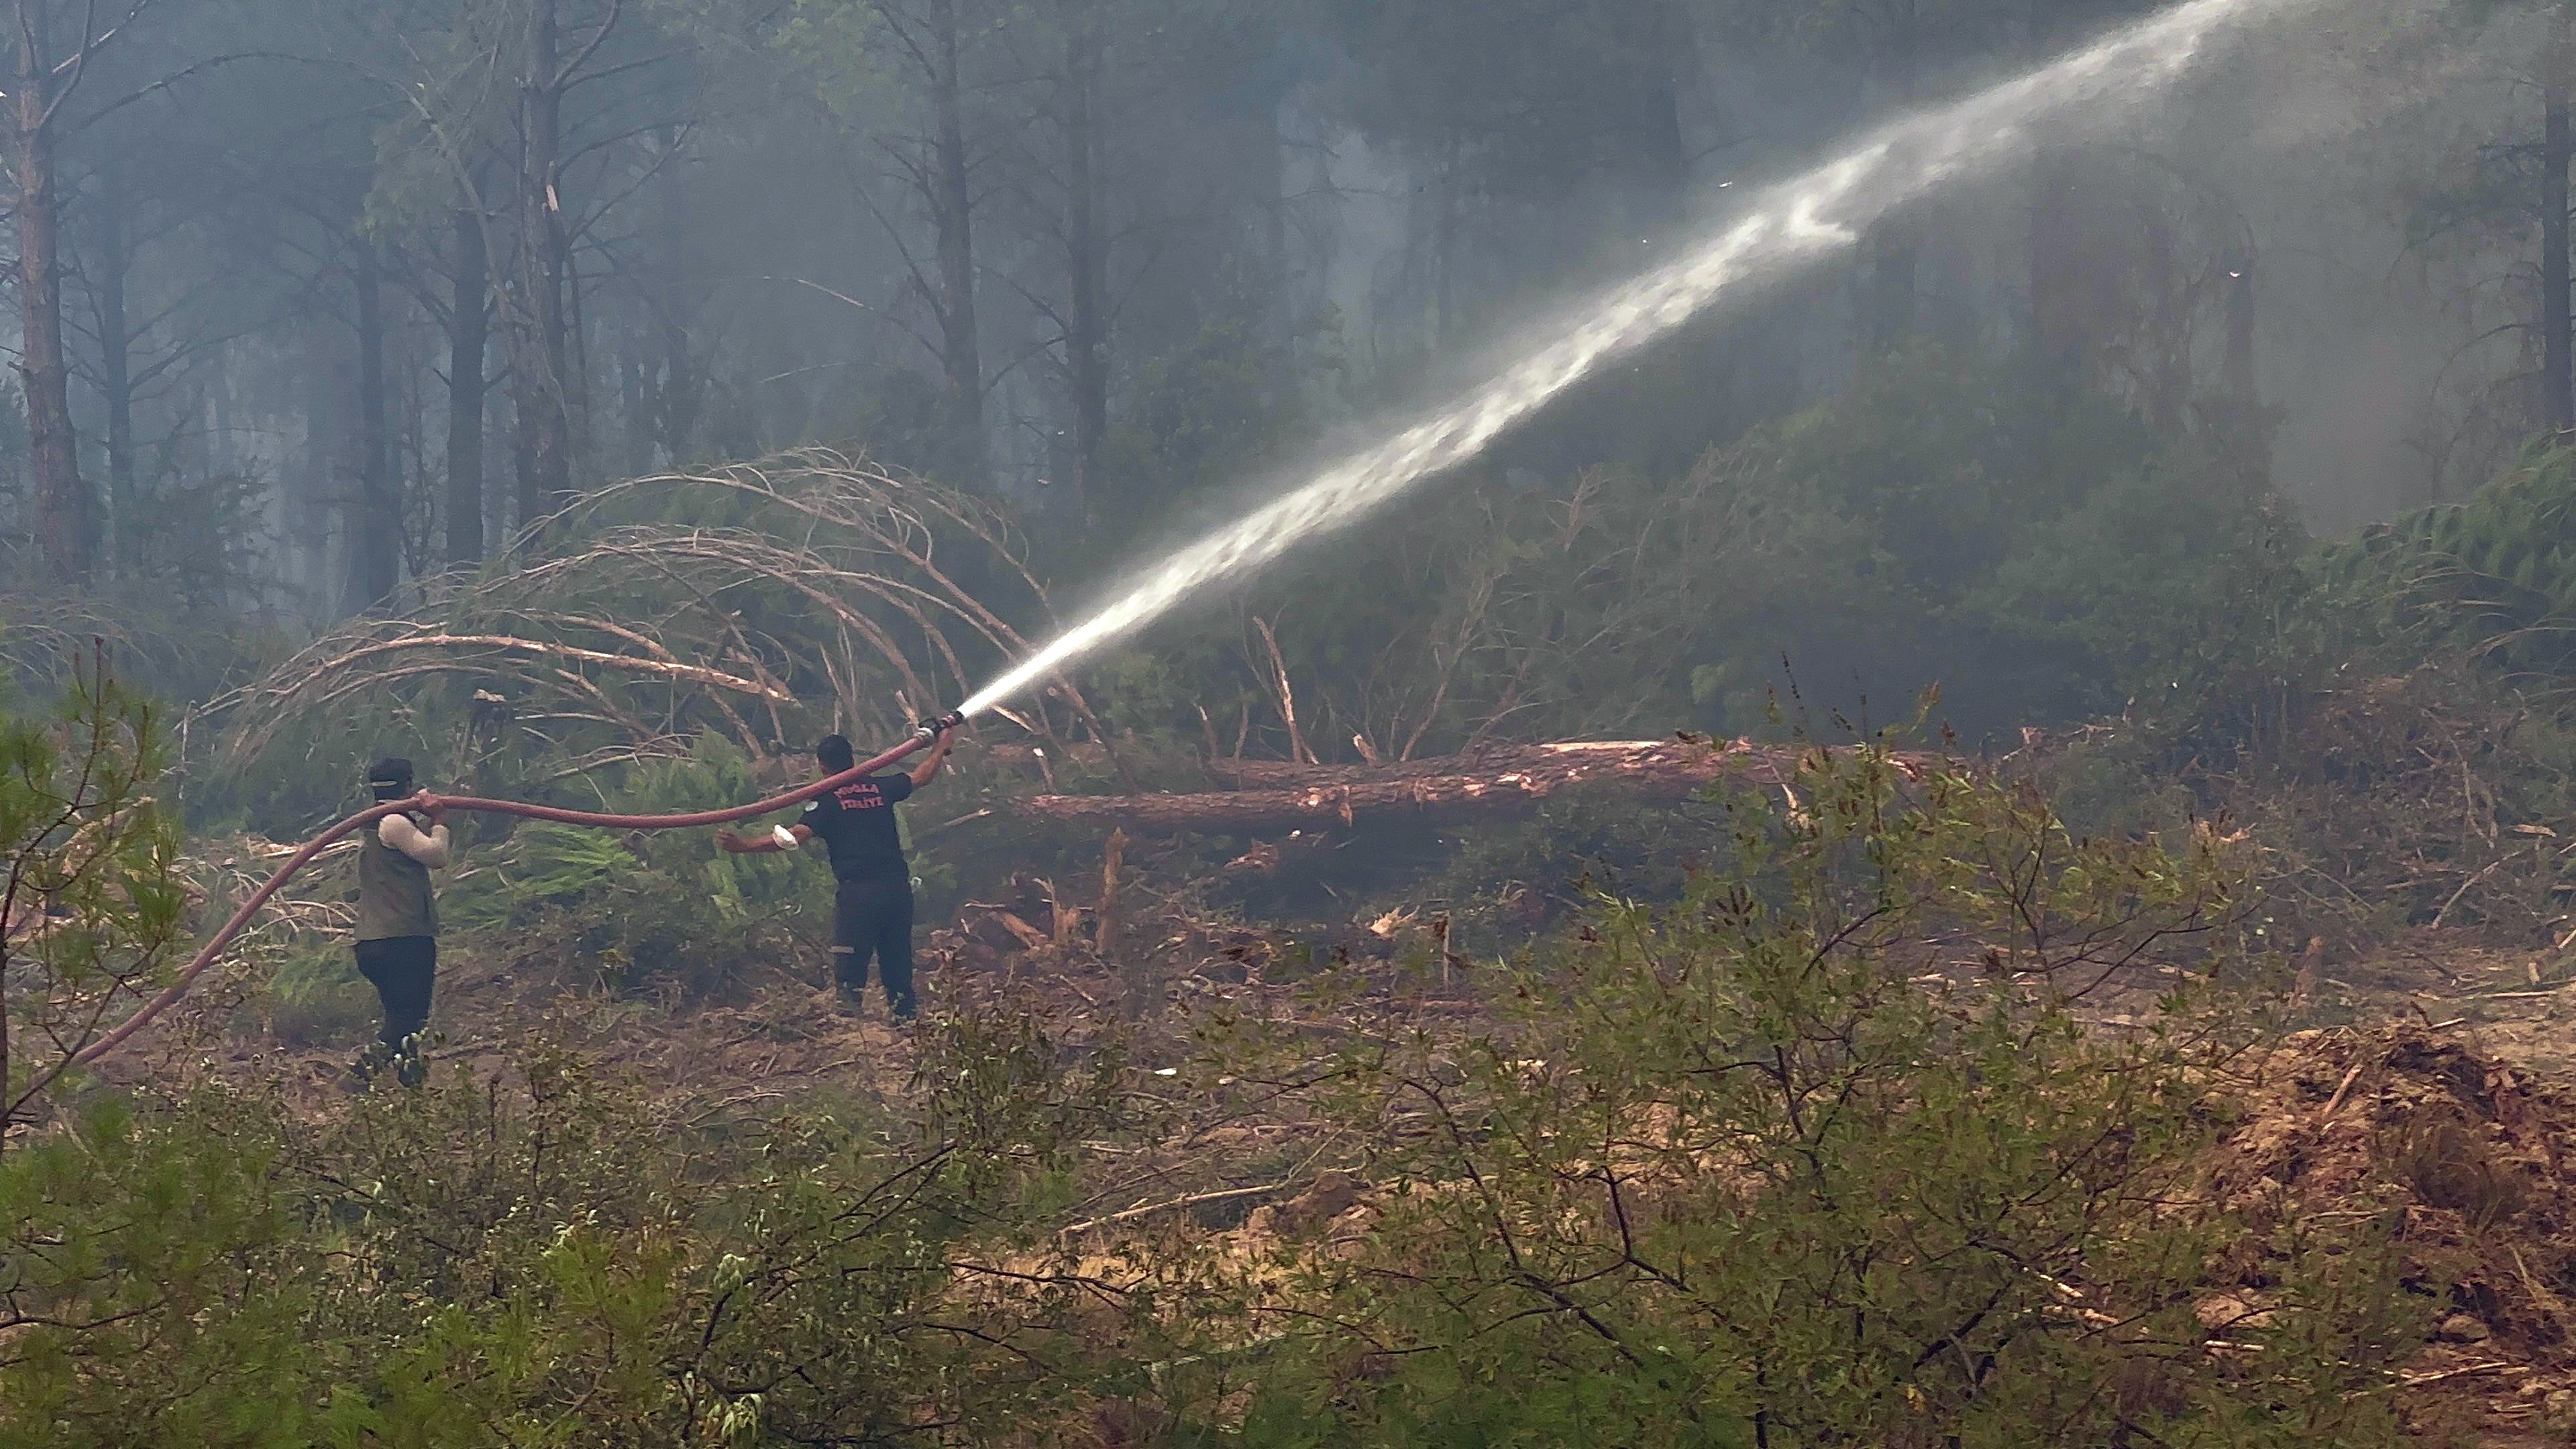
856 823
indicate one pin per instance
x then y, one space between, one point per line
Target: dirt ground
2516 1005
2436 1070
2441 1073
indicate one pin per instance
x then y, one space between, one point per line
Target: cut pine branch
508 644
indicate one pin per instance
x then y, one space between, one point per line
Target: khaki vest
394 898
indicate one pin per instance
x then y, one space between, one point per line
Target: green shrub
159 1291
546 1260
1822 1155
92 906
647 909
2494 575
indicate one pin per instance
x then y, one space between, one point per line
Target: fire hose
474 805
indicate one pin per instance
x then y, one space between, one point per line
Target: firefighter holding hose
397 944
872 898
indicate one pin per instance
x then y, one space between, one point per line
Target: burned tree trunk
469 321
1086 341
676 391
375 514
541 351
1496 785
66 514
952 213
115 365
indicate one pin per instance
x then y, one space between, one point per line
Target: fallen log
1296 774
1491 785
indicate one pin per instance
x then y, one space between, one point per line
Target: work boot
901 1008
407 1061
849 1000
363 1071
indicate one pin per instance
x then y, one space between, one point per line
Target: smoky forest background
1975 848
333 312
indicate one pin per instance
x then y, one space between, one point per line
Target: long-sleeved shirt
398 833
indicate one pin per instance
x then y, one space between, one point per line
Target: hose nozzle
954 719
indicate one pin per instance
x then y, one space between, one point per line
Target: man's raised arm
928 769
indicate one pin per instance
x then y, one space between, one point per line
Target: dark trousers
401 970
874 918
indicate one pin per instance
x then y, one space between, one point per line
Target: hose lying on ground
472 805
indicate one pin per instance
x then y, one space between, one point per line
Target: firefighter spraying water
1783 230
872 884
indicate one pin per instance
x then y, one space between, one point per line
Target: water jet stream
1789 226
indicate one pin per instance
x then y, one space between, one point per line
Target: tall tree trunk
375 520
541 354
313 493
66 514
468 333
2558 343
1086 337
630 364
952 213
116 367
678 394
576 334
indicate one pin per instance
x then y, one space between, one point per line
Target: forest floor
2437 1070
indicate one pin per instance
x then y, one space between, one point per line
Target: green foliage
155 1296
1519 876
2382 802
90 896
1731 1172
196 539
156 646
1954 521
2037 554
652 907
1545 93
2389 716
1206 414
2495 575
475 1265
311 769
897 415
1819 1153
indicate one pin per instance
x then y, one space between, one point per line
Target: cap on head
834 754
390 777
